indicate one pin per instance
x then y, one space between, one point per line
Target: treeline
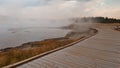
97 20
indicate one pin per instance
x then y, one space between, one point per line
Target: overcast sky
59 9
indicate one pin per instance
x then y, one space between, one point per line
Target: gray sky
59 9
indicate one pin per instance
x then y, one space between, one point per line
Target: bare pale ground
99 51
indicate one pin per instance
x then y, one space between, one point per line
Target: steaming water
16 33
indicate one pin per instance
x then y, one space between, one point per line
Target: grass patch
18 54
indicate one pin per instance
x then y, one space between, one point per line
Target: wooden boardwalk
99 51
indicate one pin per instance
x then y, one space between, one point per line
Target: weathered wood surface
99 51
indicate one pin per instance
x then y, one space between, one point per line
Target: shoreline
59 38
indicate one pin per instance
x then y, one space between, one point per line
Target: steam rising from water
81 24
17 15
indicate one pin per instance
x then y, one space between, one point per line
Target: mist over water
16 33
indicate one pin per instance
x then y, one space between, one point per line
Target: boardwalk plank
99 51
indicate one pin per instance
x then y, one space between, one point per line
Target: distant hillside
96 20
